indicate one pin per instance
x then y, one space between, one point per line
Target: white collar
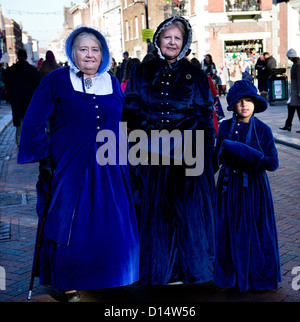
102 84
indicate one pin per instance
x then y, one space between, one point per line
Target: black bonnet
186 41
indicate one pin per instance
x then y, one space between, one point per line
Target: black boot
286 128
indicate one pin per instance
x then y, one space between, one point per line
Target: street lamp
146 10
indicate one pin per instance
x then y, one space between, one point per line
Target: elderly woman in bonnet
90 238
247 253
175 208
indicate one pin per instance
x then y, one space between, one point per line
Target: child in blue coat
247 253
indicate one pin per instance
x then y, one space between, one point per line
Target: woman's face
244 109
88 56
171 41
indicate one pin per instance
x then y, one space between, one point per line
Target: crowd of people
111 225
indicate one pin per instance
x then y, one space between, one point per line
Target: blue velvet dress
247 252
176 210
90 237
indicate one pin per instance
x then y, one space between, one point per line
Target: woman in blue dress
247 253
176 219
90 235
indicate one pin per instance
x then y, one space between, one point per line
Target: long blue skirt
103 248
247 252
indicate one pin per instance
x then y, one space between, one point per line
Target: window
143 20
136 27
242 5
127 30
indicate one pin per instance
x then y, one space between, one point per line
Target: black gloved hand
45 169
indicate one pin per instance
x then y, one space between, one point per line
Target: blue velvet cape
177 219
91 237
246 237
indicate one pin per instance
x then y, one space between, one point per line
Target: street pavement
18 223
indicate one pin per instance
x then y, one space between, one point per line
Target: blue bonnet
245 88
106 57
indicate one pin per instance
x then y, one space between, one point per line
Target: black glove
45 169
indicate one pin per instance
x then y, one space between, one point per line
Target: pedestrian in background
209 67
223 75
49 64
260 68
90 236
235 71
294 100
150 47
2 83
270 63
22 79
123 65
148 57
176 217
131 62
214 92
114 68
247 254
40 63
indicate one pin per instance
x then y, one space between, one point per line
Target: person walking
123 65
294 100
150 47
260 68
223 75
49 64
209 67
131 62
176 226
235 71
217 105
90 235
2 82
21 79
270 63
247 254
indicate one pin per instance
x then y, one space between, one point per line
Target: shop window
243 49
175 8
242 5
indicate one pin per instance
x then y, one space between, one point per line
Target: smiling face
244 109
87 55
171 41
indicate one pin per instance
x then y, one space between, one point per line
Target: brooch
188 76
88 83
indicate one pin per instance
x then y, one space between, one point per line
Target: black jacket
21 81
158 96
270 64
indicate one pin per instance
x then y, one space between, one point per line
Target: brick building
134 21
95 12
13 39
239 28
81 13
223 28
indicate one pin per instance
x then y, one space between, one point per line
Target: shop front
243 49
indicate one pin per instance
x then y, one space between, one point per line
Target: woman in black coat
174 190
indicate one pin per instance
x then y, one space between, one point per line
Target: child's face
244 109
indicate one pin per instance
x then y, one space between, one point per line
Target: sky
42 19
